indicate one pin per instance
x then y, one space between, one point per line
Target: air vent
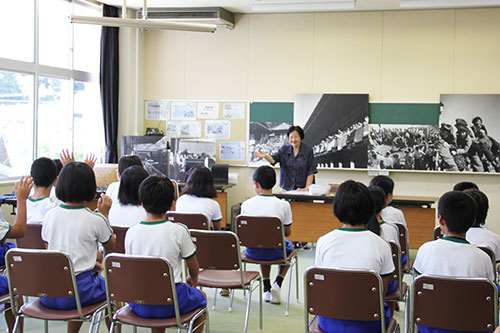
215 15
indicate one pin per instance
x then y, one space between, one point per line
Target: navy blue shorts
91 289
6 246
425 329
4 285
269 254
189 298
392 286
330 325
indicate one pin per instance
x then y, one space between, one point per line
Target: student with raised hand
198 194
128 210
353 246
389 213
124 163
44 175
78 231
155 236
477 235
266 204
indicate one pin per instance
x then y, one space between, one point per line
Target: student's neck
153 217
75 204
455 234
379 217
41 192
265 192
360 226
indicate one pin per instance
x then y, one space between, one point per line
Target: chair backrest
404 243
260 231
437 233
140 280
41 273
190 220
32 237
396 259
491 254
217 249
120 232
461 304
343 294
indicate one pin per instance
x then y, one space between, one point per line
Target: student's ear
442 224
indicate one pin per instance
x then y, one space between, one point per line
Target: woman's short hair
353 203
131 178
76 183
200 183
296 128
156 194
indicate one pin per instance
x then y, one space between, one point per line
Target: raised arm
22 189
261 154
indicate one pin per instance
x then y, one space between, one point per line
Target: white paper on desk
218 129
297 192
207 110
191 129
234 110
173 129
232 151
159 110
183 110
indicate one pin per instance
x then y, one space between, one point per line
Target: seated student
389 213
44 174
155 236
480 236
265 204
197 196
124 162
76 230
128 210
16 230
452 255
354 247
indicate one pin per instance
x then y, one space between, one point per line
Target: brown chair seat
127 316
245 258
36 309
225 279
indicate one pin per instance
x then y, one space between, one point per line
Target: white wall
396 56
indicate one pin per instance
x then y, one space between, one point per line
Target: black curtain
109 78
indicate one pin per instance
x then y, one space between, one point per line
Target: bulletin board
224 121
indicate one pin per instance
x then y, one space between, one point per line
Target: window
49 91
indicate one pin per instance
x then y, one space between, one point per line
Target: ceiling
290 6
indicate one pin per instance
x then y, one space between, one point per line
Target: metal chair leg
289 291
261 324
46 326
247 314
230 309
297 278
215 298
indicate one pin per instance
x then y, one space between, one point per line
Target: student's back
41 200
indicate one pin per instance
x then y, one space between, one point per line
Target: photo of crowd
469 133
406 147
195 151
268 137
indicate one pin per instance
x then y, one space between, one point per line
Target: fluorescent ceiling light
141 23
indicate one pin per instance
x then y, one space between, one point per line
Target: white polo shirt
112 191
480 236
37 208
4 230
393 215
268 205
389 232
353 248
454 257
188 203
76 231
165 239
126 215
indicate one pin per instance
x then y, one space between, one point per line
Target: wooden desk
313 217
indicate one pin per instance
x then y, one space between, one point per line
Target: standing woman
297 166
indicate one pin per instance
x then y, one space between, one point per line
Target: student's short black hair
128 161
458 211
76 183
296 128
200 183
482 205
462 186
59 165
353 203
43 171
265 176
379 199
384 182
156 194
128 192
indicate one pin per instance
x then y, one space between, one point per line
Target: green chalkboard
276 112
404 113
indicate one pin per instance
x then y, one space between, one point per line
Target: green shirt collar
35 200
456 240
352 229
265 195
153 222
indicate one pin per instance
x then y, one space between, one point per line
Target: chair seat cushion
127 316
213 278
36 309
245 258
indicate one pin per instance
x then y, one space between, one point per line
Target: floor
223 321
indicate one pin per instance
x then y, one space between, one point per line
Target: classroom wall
396 56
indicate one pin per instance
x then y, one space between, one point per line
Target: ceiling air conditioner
216 15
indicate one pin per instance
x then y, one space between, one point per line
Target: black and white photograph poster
185 153
470 133
268 137
403 147
336 127
152 150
